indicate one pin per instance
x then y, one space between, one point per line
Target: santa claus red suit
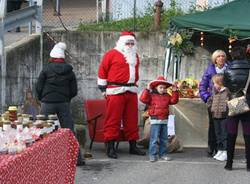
117 79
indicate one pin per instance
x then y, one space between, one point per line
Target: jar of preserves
6 125
12 113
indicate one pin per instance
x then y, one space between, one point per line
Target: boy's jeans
158 131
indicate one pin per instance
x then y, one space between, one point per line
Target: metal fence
70 13
73 12
129 8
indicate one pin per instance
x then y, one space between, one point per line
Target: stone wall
23 64
87 50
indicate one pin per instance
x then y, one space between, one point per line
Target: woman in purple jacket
218 65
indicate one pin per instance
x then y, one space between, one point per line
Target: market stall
228 25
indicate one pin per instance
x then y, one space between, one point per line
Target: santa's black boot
111 152
231 139
247 147
134 150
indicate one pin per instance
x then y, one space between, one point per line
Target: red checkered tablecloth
48 161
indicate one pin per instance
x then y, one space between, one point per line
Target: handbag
239 105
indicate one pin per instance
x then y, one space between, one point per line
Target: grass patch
142 24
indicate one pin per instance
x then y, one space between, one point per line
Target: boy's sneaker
223 156
166 158
219 152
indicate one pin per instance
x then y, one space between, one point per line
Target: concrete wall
87 50
23 65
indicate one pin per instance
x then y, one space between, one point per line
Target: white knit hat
58 50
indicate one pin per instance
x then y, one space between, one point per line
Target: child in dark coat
218 105
158 101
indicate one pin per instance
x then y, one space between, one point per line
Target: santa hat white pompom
58 50
62 45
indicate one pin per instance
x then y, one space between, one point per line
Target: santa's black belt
121 84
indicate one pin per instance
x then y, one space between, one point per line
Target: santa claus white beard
129 52
130 55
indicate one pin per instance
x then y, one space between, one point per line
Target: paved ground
190 167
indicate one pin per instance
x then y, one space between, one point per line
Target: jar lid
12 108
25 115
7 122
18 122
52 116
40 117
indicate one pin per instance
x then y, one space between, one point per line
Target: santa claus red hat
158 81
58 50
126 36
127 33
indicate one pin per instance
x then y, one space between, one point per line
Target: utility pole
158 10
134 14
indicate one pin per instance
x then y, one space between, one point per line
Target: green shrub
142 24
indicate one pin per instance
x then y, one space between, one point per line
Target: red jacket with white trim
115 72
158 105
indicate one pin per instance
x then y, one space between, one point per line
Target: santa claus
117 79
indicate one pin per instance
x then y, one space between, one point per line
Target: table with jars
36 151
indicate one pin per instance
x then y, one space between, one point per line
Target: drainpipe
57 7
107 16
134 14
3 7
158 11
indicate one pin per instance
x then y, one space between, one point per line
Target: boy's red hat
159 80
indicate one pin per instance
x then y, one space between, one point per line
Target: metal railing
64 13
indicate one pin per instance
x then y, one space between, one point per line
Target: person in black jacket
56 86
235 78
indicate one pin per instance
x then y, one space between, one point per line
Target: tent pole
174 68
167 61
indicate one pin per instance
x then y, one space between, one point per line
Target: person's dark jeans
232 128
211 134
63 112
221 134
233 123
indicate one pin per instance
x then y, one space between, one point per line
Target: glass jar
1 122
6 115
52 117
26 117
41 117
51 124
6 125
19 125
55 119
12 113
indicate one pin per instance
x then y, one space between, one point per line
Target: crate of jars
17 131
